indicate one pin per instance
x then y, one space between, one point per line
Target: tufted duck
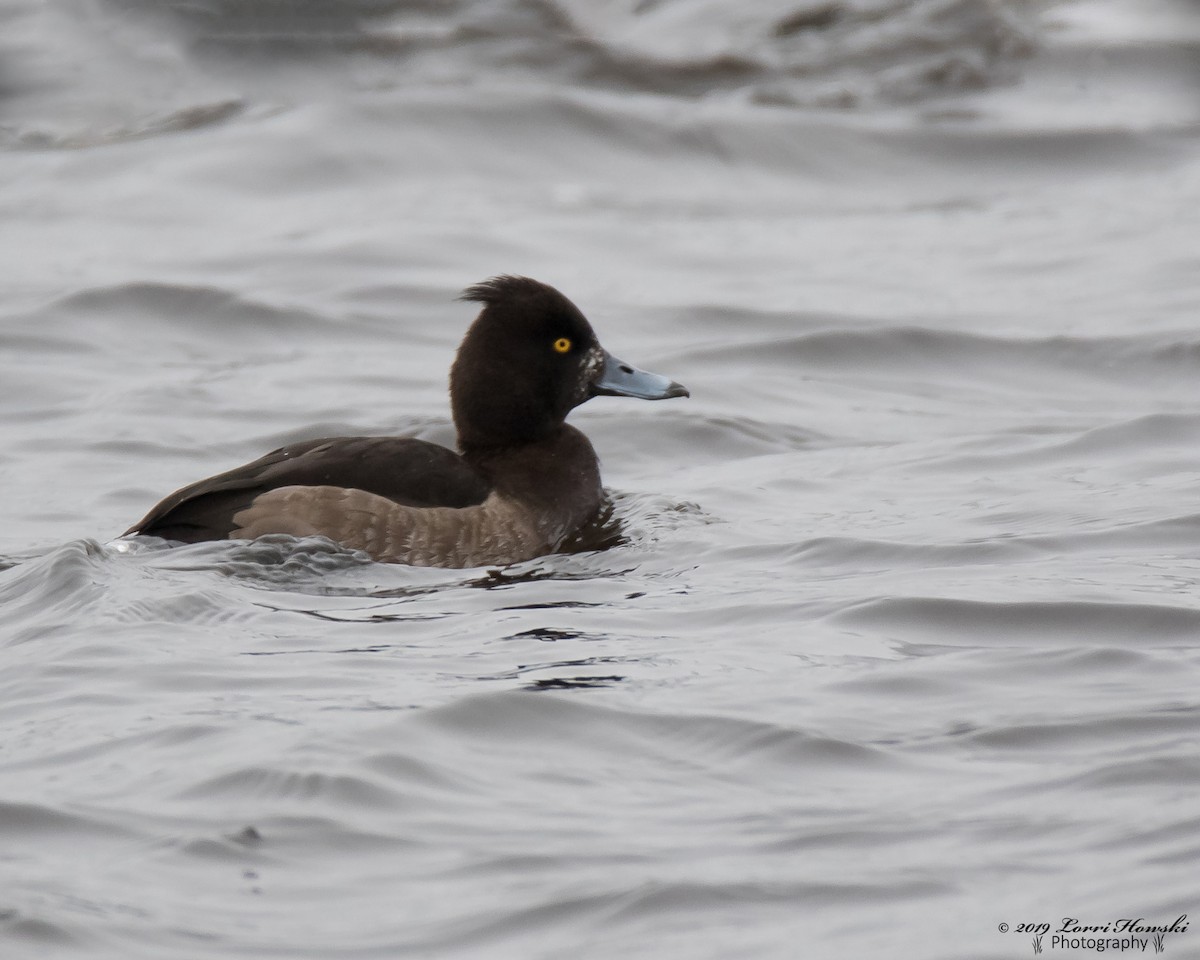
525 480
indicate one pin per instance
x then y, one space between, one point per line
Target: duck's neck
558 473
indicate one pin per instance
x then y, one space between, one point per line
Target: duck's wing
402 469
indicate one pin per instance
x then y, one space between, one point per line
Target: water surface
902 642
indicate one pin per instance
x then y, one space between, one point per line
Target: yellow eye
562 345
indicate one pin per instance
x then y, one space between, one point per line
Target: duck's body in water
524 480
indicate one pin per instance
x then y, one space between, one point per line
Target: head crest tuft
505 287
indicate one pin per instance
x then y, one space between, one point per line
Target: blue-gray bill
620 379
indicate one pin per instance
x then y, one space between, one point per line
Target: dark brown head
528 359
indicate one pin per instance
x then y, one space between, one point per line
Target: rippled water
902 644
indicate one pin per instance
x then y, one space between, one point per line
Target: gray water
903 642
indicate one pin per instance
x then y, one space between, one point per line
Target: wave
832 52
902 351
972 623
41 593
132 68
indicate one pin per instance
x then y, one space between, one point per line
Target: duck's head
528 359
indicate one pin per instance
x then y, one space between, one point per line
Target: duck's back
406 471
